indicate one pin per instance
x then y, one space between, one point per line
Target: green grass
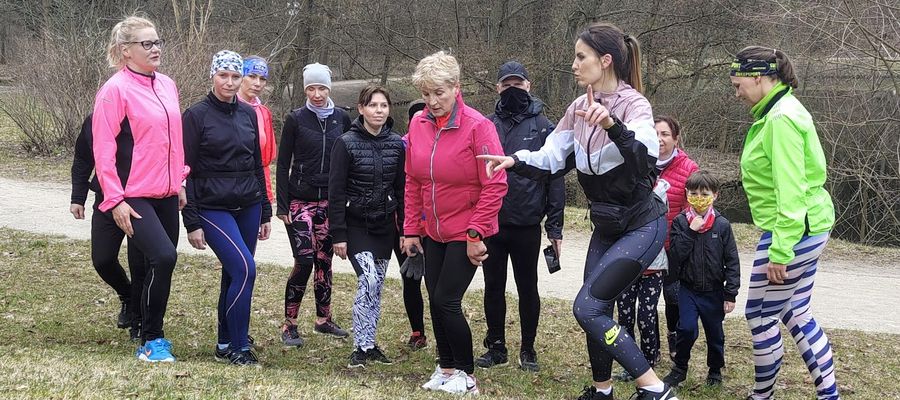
58 340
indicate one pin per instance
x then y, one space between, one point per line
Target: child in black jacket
704 257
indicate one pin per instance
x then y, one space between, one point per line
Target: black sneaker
222 355
666 394
358 358
591 393
134 334
243 358
417 341
290 337
331 328
676 376
714 378
124 319
493 358
528 361
375 354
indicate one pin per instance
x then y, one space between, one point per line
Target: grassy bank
57 340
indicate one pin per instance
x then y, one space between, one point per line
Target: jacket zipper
168 135
322 164
437 220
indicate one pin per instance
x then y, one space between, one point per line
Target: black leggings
448 273
522 245
412 295
612 265
156 236
106 240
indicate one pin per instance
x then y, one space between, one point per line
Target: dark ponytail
625 50
784 70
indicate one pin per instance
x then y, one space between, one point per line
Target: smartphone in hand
552 259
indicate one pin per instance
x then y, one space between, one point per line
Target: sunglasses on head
148 44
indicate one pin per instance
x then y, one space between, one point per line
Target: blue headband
256 66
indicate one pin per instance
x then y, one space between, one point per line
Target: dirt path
848 294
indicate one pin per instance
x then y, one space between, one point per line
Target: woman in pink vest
256 76
674 166
143 195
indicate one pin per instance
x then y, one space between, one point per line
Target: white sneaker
437 379
460 383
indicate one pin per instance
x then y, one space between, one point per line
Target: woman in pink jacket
674 166
143 196
451 187
256 76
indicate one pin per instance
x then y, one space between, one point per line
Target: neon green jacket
783 171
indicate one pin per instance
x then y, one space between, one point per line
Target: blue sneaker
157 350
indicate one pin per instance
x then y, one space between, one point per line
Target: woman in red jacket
674 166
451 187
256 76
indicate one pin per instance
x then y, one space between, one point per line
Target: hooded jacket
304 155
221 143
366 185
445 180
528 201
708 261
150 106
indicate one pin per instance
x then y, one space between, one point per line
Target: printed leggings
369 255
768 303
641 300
612 265
312 247
232 235
156 236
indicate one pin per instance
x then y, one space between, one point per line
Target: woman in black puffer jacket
365 193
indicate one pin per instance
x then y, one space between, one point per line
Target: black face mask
514 101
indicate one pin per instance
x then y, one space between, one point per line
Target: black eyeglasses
148 44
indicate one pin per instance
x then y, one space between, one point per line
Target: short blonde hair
122 33
435 70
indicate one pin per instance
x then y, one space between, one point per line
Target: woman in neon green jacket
783 171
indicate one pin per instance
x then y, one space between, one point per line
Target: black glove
413 267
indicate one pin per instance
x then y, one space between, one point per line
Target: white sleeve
552 155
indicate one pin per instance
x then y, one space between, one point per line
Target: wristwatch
473 235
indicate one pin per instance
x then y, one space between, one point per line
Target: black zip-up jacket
83 162
528 201
304 155
707 261
221 145
367 180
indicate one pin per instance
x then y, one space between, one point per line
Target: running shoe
666 394
124 319
591 393
222 355
375 354
290 337
492 358
437 379
358 358
156 350
331 328
528 361
714 378
417 341
460 383
243 358
676 376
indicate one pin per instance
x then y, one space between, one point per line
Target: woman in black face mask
520 125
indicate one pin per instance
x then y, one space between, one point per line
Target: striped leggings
767 303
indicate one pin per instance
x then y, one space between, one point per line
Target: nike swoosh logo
611 335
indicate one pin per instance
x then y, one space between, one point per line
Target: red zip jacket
676 173
150 104
266 140
446 182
